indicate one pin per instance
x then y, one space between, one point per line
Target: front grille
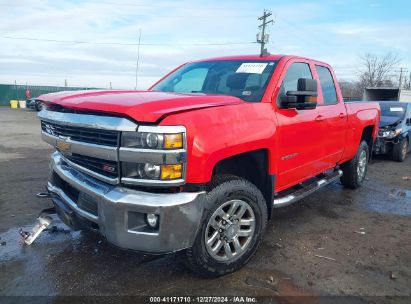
101 166
87 135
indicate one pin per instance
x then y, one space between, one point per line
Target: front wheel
39 106
399 152
233 226
355 170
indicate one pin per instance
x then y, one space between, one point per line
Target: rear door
300 135
333 113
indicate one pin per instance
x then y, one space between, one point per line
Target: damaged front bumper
119 213
384 145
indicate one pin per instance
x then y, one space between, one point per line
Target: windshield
392 110
391 113
244 79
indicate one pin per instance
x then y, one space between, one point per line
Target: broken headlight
390 133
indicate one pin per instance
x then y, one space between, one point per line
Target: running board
307 190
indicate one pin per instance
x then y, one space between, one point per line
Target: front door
300 134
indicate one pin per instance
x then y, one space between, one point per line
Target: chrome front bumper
120 211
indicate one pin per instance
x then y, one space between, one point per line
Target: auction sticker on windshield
252 68
396 109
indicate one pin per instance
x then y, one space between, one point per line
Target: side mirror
305 98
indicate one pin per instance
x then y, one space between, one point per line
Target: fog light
152 220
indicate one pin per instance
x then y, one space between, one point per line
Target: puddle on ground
55 236
23 265
62 261
390 201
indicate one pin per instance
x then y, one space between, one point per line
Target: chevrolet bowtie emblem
63 145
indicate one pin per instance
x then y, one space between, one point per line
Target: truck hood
144 106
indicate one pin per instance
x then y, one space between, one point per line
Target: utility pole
400 78
263 39
401 70
138 57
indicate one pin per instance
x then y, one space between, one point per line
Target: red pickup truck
199 162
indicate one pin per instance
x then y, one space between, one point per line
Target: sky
95 43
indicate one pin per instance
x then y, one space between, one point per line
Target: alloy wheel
362 164
230 230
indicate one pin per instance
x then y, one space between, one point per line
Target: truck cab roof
274 57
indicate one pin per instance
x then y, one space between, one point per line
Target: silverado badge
63 145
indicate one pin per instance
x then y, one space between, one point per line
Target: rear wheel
355 170
234 221
399 152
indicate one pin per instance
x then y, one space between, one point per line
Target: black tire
399 151
38 106
224 189
351 178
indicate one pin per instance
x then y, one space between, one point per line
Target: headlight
152 140
391 133
152 172
153 156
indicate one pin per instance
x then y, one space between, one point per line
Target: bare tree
375 69
351 90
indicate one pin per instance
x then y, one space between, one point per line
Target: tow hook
43 195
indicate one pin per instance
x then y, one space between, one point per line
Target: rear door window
327 85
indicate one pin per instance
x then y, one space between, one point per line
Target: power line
121 43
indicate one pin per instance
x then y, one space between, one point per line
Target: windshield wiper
397 122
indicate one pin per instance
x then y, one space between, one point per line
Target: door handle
319 118
342 115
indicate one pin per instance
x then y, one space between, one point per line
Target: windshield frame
258 93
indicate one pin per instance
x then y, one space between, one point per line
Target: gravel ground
336 242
